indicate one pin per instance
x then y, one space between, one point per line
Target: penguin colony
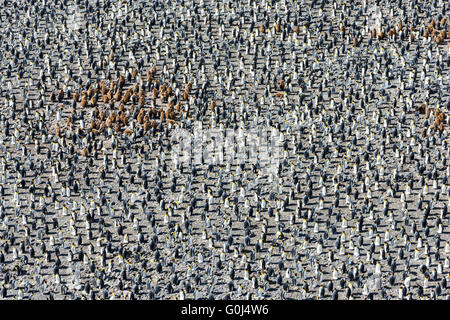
93 207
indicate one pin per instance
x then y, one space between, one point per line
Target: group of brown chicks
132 103
437 30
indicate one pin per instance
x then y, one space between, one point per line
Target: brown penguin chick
170 105
355 42
84 153
400 26
93 101
146 125
134 74
112 86
121 108
443 34
212 105
102 126
110 96
438 121
153 124
282 85
103 89
108 122
170 121
131 96
113 116
279 95
297 29
443 21
155 93
178 107
435 125
437 112
92 125
52 97
185 95
117 127
149 76
128 131
165 96
121 81
101 115
391 32
84 102
76 96
381 35
95 132
161 116
111 57
278 27
262 29
373 33
140 117
126 97
69 121
124 120
424 133
427 112
422 108
162 89
118 95
90 92
412 36
169 91
141 102
431 25
188 87
439 39
167 112
57 131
